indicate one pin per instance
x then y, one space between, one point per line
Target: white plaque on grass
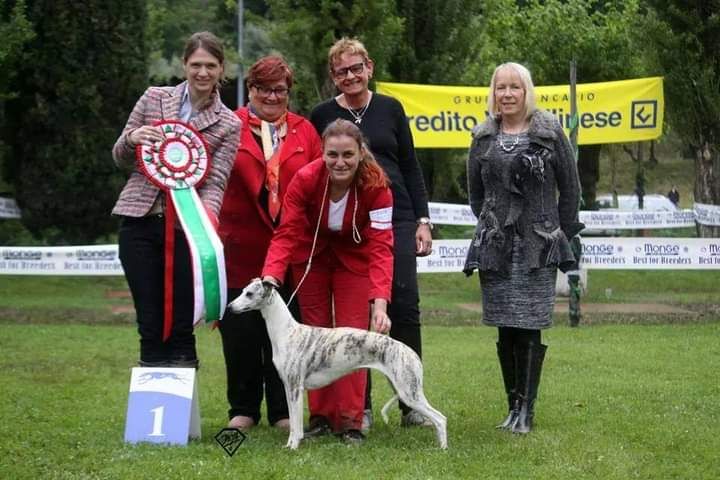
162 406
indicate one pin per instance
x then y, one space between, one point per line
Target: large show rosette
181 160
177 165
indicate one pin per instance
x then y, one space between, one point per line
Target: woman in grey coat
524 188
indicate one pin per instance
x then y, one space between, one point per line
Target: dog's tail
384 411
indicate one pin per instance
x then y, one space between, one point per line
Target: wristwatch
425 221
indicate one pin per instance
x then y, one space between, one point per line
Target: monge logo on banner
600 249
662 254
602 253
21 254
102 255
452 252
654 249
710 255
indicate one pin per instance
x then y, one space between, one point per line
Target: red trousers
332 296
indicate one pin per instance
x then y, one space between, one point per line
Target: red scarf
272 135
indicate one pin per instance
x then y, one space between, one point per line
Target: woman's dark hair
208 42
269 69
369 173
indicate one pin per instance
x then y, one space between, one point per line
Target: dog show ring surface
162 406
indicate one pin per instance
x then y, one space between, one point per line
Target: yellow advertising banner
608 112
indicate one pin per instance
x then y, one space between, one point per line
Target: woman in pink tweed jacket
142 206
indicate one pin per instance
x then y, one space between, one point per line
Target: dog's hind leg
421 405
409 387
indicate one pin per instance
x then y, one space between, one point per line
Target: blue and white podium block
162 406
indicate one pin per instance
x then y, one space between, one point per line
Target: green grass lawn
696 290
618 400
92 299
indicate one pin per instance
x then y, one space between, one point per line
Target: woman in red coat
274 144
336 236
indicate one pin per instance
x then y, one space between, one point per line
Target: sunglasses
356 69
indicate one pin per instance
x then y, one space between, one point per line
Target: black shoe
185 362
530 361
159 364
512 416
506 355
352 437
318 427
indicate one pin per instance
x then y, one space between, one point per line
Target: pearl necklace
358 114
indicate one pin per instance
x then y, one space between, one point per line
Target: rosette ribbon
177 165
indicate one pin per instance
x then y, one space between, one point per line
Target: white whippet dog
311 357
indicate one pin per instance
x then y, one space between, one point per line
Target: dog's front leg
294 394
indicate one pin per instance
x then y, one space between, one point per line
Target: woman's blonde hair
527 83
353 46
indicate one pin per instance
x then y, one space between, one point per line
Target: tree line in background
70 72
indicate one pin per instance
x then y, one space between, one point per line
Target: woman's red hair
369 173
269 69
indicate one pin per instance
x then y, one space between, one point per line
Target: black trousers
404 308
248 364
141 244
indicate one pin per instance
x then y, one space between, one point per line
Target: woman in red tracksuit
336 236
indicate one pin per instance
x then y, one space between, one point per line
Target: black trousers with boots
521 356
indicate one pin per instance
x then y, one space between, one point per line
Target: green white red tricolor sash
177 165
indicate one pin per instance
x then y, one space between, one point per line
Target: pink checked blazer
218 125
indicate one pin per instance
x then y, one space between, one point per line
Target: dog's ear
268 288
270 282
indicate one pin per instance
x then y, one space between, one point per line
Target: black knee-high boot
506 355
529 359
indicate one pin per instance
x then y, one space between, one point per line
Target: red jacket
292 242
245 226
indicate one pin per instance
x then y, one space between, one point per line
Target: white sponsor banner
451 214
707 214
620 253
9 208
454 214
637 219
646 253
446 256
82 260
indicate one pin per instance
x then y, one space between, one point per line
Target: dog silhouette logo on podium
162 406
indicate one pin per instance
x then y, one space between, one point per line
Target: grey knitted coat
536 196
